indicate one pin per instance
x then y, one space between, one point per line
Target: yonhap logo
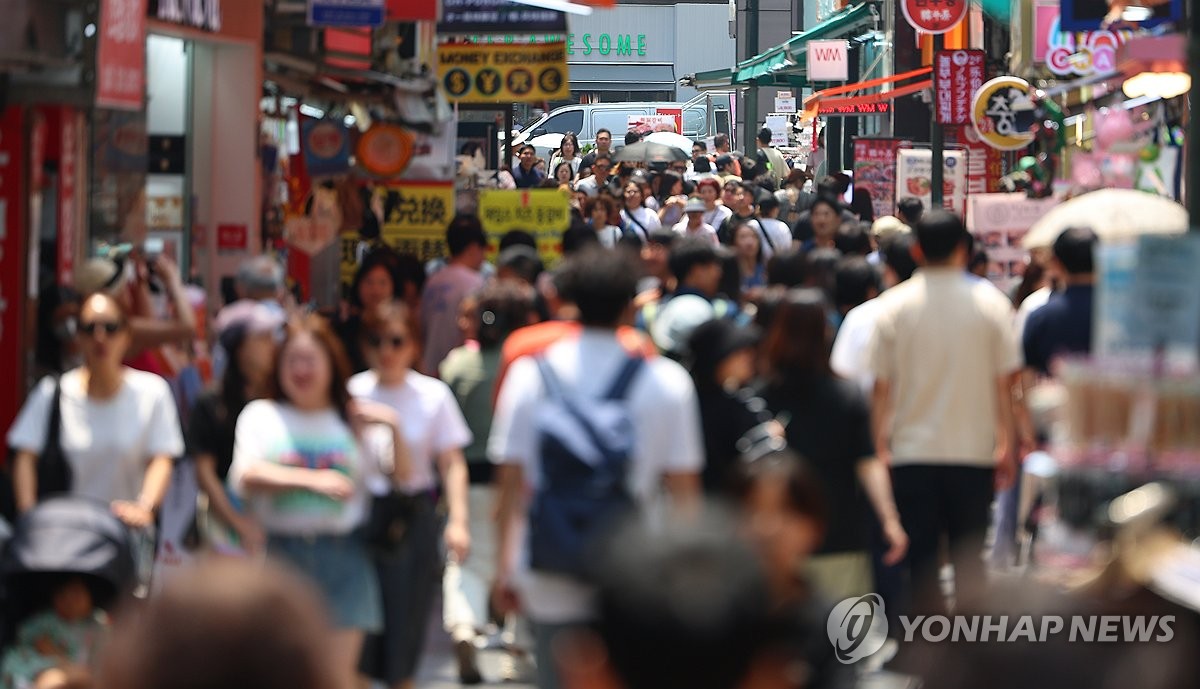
857 628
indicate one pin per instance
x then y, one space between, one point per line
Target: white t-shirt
443 294
647 222
667 439
851 355
270 432
108 443
705 231
717 215
780 234
609 235
430 420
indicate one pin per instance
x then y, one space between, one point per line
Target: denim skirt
342 570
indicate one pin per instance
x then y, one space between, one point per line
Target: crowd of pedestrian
839 384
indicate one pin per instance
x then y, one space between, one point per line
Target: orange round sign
385 150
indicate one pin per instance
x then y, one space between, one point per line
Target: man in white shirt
666 444
776 235
446 289
944 357
693 224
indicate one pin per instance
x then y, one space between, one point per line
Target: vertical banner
12 255
875 171
68 215
121 55
985 165
914 174
957 75
999 223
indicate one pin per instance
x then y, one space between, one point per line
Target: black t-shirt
802 231
830 426
724 419
726 230
589 160
350 332
210 431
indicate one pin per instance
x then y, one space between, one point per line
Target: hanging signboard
326 145
198 14
12 245
828 60
934 16
785 103
957 75
1002 113
999 223
545 212
778 124
68 206
121 55
347 13
412 10
875 171
1073 53
853 109
504 73
914 177
415 216
498 17
985 165
385 150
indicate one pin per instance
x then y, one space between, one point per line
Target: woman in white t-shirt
300 465
436 433
118 429
599 210
636 218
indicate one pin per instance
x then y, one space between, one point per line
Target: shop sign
1002 113
498 17
385 150
778 124
198 14
828 60
985 165
12 125
232 237
646 124
852 109
514 73
785 103
1071 54
347 13
957 74
999 223
415 217
546 211
68 218
875 171
412 10
914 177
121 55
934 16
326 145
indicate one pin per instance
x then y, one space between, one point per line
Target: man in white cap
693 225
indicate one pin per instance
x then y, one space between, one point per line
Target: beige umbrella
1113 214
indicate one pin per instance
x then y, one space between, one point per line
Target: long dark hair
339 368
382 257
797 344
666 182
233 382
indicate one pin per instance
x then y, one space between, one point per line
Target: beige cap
888 226
95 275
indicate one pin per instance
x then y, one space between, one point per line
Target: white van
703 116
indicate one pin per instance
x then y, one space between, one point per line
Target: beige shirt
942 339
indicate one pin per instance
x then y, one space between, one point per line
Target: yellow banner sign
544 213
414 220
517 73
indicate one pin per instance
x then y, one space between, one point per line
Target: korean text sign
544 212
875 171
1002 113
934 16
957 75
121 55
515 73
914 177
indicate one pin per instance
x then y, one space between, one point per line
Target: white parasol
1112 214
671 139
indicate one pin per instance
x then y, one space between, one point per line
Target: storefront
183 172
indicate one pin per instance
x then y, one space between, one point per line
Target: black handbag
387 523
54 474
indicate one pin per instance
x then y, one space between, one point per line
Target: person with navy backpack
584 435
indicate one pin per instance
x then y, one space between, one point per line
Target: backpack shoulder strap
549 380
624 380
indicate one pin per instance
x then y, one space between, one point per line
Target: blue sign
347 13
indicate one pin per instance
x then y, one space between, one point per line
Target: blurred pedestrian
568 152
375 282
599 211
1063 326
603 148
526 175
468 245
118 428
693 224
637 220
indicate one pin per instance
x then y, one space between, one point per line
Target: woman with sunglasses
436 433
302 461
118 427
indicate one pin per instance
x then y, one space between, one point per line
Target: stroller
63 537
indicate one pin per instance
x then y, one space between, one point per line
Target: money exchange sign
529 73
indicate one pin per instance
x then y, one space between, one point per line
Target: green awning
784 64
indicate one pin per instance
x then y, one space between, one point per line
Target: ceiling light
1160 84
1136 13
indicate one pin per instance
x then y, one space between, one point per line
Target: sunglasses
396 341
110 327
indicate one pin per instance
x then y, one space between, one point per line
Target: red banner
412 10
12 252
985 165
121 55
68 216
875 171
957 75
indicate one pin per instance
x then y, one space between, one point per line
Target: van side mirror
539 131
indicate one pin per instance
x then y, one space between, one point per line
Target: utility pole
751 130
937 143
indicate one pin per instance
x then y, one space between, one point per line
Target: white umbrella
671 139
1112 214
546 144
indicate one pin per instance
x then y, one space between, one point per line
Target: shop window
563 123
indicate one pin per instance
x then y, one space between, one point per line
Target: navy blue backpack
586 447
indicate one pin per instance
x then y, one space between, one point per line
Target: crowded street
599 344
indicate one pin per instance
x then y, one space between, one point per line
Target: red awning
823 103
